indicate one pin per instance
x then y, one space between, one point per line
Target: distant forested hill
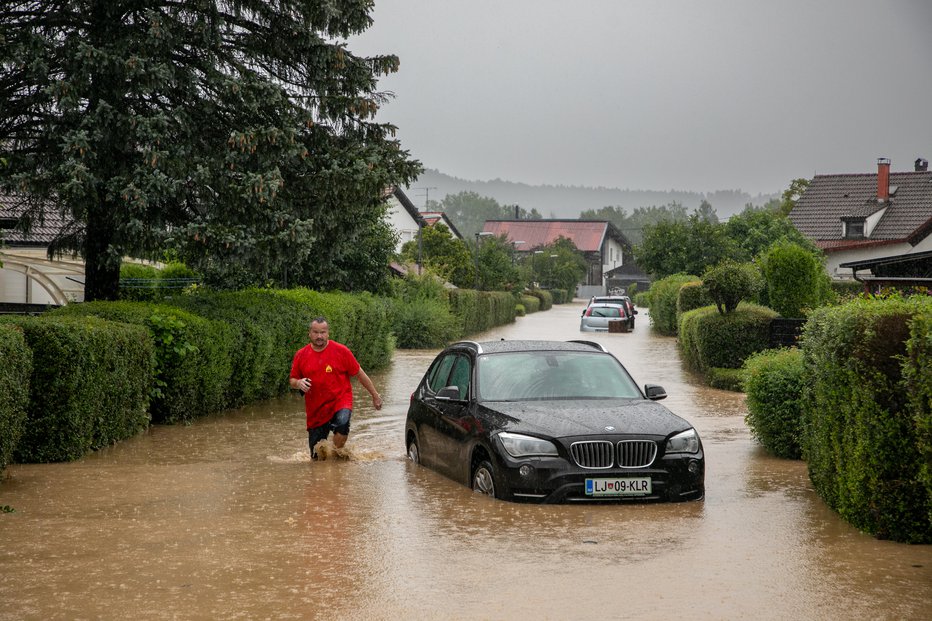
560 201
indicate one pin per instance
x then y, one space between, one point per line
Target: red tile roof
587 235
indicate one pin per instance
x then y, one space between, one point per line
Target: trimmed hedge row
480 310
866 414
560 296
89 387
692 295
192 355
530 303
15 371
773 381
709 339
545 297
663 296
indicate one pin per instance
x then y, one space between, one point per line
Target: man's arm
368 385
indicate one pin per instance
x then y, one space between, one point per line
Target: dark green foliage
15 371
692 295
691 246
860 437
773 381
710 339
242 132
917 378
725 379
424 324
478 311
662 298
192 356
729 283
89 387
795 279
642 299
545 298
530 303
560 296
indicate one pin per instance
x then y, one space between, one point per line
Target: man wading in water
322 370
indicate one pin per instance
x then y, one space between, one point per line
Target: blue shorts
340 423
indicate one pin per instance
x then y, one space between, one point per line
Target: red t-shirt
329 371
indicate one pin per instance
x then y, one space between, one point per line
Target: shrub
560 296
424 324
478 311
531 304
662 301
89 385
642 299
730 283
692 295
138 291
918 384
15 371
519 310
545 298
725 379
192 356
710 339
795 279
865 452
773 381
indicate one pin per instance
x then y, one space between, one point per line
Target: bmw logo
609 428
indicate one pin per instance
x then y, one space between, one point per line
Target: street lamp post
478 235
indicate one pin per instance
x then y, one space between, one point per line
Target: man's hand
377 401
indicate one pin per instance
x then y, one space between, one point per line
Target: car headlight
518 445
685 442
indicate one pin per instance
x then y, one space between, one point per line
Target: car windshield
536 375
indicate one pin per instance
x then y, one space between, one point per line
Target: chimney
883 179
922 165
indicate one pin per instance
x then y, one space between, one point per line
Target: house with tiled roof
858 217
432 218
29 280
604 247
403 217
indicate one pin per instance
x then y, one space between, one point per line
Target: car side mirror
452 392
635 311
655 392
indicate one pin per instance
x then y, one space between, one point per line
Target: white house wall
401 221
834 259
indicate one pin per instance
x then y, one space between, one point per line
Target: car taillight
588 312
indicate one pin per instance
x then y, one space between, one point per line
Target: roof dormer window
853 229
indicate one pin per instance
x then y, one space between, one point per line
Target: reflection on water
228 518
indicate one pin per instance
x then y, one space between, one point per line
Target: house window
7 224
854 229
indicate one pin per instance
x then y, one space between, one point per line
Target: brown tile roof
587 235
908 215
41 233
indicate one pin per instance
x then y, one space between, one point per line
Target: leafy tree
241 129
690 246
756 228
792 194
633 225
558 265
497 271
468 211
442 254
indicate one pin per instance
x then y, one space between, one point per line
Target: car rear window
536 375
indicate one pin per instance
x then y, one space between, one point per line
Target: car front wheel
413 453
483 479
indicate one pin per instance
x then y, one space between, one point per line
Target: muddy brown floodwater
228 519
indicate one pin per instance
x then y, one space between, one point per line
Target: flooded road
228 519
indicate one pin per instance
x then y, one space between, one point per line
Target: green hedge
89 387
530 303
560 296
773 381
15 371
709 339
424 324
192 355
663 295
692 295
479 311
545 297
866 414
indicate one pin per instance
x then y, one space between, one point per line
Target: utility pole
420 226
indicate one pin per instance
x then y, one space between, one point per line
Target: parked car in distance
596 317
617 299
550 421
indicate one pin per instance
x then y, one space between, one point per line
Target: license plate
629 486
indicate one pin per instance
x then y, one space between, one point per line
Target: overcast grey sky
696 95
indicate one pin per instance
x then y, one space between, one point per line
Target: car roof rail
589 343
472 344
